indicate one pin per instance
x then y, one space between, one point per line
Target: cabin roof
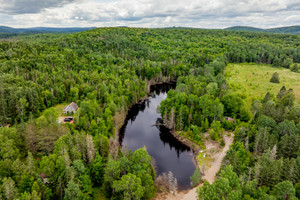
229 119
72 107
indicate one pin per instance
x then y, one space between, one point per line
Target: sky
149 13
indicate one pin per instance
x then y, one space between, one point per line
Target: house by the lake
71 108
229 119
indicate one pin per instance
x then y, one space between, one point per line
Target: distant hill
245 28
288 30
6 29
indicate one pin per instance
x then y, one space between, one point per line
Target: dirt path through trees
209 175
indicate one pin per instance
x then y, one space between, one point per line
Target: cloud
155 13
29 6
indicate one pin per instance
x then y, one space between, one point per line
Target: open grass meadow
252 81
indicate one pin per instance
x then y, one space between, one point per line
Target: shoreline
192 145
209 175
147 96
190 193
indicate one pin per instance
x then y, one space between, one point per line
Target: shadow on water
143 128
168 139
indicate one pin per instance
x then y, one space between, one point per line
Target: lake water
140 130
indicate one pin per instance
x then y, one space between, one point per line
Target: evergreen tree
275 78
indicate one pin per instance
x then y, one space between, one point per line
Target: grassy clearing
252 81
59 109
204 160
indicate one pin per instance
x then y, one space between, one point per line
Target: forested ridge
108 69
279 30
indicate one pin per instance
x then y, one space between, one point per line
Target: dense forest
6 29
107 70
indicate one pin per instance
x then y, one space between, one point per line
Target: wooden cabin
71 108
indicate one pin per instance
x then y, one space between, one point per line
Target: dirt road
209 175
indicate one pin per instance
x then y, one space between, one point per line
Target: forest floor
216 155
253 80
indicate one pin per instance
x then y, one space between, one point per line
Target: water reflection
170 140
142 128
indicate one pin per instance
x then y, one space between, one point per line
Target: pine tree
295 68
282 92
205 125
30 163
267 97
275 78
196 178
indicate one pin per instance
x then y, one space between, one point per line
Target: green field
253 81
59 109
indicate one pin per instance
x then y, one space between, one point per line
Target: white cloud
157 13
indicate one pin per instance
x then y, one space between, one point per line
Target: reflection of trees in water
168 138
161 88
131 116
135 109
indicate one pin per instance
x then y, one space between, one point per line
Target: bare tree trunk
172 119
90 148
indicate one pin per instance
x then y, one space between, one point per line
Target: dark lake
139 130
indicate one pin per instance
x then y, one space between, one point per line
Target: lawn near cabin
253 80
59 110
